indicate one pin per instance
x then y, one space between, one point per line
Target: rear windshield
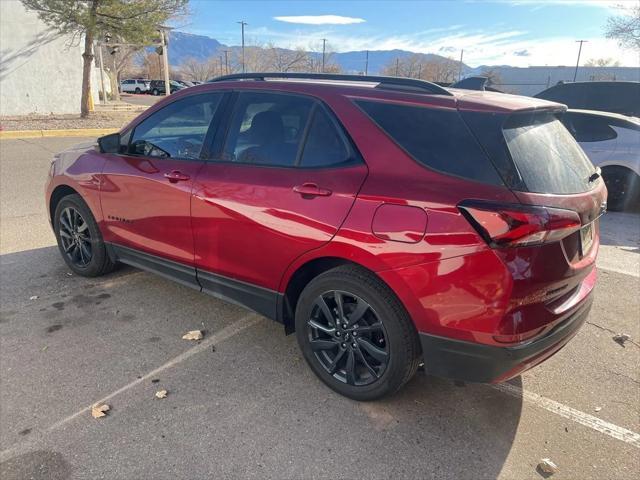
546 155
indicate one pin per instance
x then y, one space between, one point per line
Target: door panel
250 223
146 190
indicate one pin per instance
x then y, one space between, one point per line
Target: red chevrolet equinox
387 222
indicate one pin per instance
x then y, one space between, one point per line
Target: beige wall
39 71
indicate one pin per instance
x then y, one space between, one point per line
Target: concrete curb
68 132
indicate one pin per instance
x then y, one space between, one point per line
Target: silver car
612 142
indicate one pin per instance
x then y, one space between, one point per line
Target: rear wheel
137 90
623 186
155 92
355 334
79 238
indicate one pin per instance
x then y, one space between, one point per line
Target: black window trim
220 140
216 120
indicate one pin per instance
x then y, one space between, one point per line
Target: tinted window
616 97
438 139
324 145
176 131
588 128
267 128
546 155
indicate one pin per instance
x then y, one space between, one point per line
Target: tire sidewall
98 250
391 379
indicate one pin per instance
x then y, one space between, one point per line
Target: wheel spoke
325 309
377 353
63 233
338 298
65 224
322 344
364 361
322 328
69 247
350 368
360 310
85 252
333 366
82 227
374 327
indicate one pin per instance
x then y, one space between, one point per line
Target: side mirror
109 143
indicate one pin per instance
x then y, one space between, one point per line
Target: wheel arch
304 274
58 194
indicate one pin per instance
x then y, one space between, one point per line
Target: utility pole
419 71
575 74
226 62
242 24
165 60
221 71
397 65
324 48
460 67
104 93
366 64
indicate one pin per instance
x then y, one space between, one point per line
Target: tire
623 187
155 92
137 91
397 336
88 255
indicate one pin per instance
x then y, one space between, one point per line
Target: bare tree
602 62
625 28
116 61
285 60
200 71
423 67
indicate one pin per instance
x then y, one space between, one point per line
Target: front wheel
355 334
137 91
79 238
155 92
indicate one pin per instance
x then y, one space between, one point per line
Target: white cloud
320 19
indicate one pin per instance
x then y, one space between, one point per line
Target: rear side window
546 155
588 128
438 139
324 146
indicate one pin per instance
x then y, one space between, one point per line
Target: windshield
547 157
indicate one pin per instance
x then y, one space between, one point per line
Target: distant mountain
186 45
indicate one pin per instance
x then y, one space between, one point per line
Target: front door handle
176 176
311 190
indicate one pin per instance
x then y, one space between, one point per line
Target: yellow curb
68 132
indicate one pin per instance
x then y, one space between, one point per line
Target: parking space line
224 334
595 423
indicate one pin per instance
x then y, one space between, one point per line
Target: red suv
386 221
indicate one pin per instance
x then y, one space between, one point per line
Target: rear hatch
550 240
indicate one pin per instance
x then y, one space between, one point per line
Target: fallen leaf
161 393
193 335
98 410
621 338
33 297
547 466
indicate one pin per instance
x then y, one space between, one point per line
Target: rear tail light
507 225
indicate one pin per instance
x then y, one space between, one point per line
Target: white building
40 72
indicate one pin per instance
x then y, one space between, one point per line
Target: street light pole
397 65
460 66
324 47
226 62
366 64
242 24
575 73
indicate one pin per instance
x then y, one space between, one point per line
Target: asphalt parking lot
242 402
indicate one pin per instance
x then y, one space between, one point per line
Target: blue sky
513 32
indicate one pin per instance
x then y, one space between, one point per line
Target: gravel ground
57 122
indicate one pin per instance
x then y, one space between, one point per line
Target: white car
134 86
612 142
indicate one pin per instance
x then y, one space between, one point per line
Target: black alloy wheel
75 237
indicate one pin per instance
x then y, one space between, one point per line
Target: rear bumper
474 362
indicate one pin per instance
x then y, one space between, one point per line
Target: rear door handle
311 190
176 176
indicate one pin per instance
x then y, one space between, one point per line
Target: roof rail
389 83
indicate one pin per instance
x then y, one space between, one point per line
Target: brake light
506 225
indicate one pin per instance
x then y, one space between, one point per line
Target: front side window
267 128
176 131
